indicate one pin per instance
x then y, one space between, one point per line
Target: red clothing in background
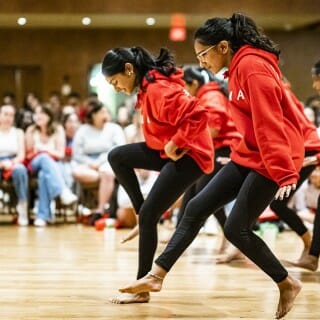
217 104
309 130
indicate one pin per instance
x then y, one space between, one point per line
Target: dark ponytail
247 32
143 61
239 30
203 76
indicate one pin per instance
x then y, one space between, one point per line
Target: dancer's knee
148 216
234 233
193 211
147 220
114 155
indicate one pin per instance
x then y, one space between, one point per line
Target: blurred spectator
91 146
24 117
314 104
12 154
71 123
55 105
133 131
68 109
45 145
9 98
74 100
123 116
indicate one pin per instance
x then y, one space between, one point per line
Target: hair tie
205 76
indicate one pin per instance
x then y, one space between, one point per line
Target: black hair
65 117
143 61
93 94
238 30
203 76
74 94
93 107
55 93
316 69
51 126
9 94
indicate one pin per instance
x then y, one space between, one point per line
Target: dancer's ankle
157 272
306 238
285 283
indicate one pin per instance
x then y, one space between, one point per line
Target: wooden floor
70 271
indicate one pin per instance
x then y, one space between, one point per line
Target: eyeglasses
201 54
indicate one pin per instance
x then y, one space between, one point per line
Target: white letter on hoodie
240 95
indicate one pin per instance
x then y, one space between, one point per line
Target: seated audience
45 146
12 154
91 146
71 123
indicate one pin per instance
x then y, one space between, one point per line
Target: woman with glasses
177 142
263 166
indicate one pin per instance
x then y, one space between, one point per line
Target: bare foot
289 289
224 246
125 298
149 283
235 254
307 261
304 253
132 234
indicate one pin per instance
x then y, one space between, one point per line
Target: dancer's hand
309 161
223 160
132 234
285 191
173 152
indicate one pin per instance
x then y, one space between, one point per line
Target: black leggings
174 178
253 193
288 215
201 183
315 243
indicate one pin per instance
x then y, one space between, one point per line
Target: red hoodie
170 113
272 143
217 104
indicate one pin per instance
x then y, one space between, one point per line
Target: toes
279 313
113 300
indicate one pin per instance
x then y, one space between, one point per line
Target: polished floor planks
70 271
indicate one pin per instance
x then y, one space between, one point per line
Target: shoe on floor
67 197
40 222
23 221
22 209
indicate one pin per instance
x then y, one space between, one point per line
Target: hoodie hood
175 77
249 52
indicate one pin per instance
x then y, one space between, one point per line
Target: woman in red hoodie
177 141
263 166
311 250
212 93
